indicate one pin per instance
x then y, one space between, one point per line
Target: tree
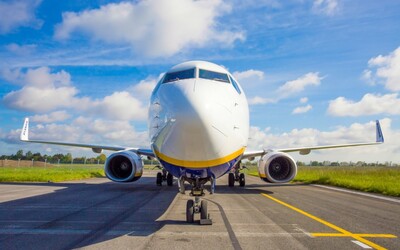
102 158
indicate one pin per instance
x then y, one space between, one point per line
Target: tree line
56 158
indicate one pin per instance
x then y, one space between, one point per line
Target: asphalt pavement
100 214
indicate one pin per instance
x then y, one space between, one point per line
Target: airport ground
99 214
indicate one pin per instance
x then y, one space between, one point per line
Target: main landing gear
197 205
237 176
164 176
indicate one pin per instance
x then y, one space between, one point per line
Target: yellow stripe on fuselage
199 164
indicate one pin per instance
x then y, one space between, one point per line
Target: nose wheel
198 206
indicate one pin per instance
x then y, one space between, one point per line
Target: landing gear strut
164 176
197 205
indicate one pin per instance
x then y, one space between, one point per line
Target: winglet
25 131
379 134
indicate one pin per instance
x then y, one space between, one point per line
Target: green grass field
53 174
383 180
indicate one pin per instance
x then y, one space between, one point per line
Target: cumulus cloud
325 7
56 116
302 109
154 28
356 132
260 100
44 91
289 89
14 14
303 100
119 105
298 85
248 75
370 104
82 129
384 70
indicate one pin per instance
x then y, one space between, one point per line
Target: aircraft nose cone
191 124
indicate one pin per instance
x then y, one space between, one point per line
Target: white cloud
154 27
303 100
56 116
21 50
248 75
119 106
385 70
370 104
260 100
298 85
42 90
326 7
15 14
144 88
287 90
45 91
356 132
81 129
302 109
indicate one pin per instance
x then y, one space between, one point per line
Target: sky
315 72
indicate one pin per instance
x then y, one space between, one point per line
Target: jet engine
124 166
277 167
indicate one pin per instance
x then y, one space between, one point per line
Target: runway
99 214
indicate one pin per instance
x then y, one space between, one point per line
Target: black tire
159 179
170 179
190 211
242 180
204 210
231 179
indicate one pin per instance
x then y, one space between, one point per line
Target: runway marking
343 232
361 244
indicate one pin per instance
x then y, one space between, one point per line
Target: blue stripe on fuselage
214 171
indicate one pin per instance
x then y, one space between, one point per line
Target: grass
53 174
383 180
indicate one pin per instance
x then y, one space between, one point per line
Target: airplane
198 122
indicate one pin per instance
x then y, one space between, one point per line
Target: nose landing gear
197 205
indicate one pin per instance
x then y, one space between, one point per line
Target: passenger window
211 75
235 85
176 76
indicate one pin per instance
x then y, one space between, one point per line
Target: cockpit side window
211 75
179 75
235 85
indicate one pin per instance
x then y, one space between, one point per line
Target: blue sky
315 72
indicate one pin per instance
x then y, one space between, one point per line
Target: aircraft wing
95 147
307 150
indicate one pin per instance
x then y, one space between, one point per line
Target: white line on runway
358 193
361 244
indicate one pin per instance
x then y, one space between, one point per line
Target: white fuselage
198 126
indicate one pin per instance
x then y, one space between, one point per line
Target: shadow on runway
82 214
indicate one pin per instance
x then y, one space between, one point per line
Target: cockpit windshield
179 75
211 75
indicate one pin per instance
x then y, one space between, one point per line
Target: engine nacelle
277 167
124 166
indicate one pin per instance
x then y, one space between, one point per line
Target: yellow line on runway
361 235
344 233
